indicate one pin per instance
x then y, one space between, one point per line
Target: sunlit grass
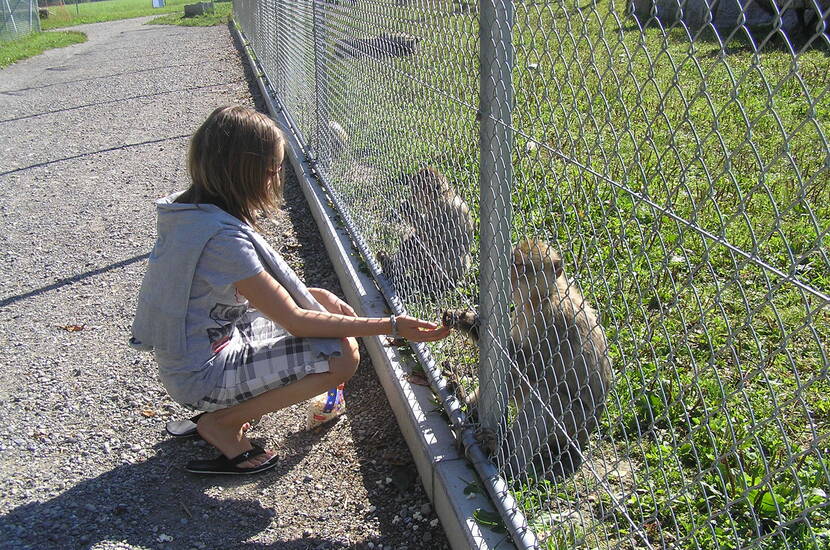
36 43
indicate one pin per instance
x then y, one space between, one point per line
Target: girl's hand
418 330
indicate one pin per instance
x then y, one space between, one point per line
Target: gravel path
90 135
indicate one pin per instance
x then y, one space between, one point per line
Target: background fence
676 156
18 18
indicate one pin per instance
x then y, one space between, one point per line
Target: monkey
434 253
561 371
377 47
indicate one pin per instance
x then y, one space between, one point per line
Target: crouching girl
235 333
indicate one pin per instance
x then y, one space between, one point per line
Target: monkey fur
434 253
561 370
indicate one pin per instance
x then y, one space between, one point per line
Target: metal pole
278 78
11 18
321 83
496 60
496 177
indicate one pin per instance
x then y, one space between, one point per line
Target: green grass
656 160
109 10
36 43
222 13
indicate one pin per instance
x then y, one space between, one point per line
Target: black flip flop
228 466
183 428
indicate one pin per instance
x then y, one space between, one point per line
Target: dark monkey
434 253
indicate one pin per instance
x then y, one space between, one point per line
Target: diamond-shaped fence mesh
18 18
624 209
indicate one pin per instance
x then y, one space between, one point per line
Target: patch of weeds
489 519
35 44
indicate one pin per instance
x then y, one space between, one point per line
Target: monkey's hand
488 439
464 320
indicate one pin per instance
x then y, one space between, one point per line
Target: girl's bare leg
223 428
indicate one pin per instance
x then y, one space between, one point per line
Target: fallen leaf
473 488
394 458
72 328
148 413
417 379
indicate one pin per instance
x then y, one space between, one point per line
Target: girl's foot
230 440
187 428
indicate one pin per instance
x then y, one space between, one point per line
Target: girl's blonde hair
235 161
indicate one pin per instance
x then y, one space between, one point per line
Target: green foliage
36 43
489 519
647 142
738 498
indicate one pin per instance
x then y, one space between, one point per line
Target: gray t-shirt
213 311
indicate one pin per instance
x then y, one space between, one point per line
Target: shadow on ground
147 503
154 503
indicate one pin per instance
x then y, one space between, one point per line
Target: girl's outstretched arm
271 298
331 302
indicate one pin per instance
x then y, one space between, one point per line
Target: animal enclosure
18 18
675 156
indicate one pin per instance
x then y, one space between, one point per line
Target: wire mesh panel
626 206
670 345
18 18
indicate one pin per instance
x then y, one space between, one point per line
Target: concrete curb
444 471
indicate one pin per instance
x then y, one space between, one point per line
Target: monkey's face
536 266
429 183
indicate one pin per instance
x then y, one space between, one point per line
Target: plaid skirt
260 356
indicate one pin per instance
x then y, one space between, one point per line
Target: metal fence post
496 177
320 79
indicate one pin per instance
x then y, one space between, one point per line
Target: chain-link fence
18 18
625 206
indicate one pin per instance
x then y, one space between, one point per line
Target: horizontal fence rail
626 206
